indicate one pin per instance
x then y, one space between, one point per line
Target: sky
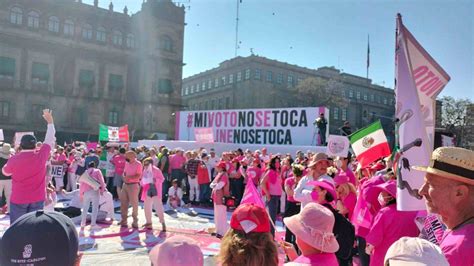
313 33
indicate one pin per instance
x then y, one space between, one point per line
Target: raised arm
50 137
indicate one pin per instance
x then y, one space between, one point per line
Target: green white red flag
370 144
107 133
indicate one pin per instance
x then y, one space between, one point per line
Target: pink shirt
97 175
119 162
274 188
254 173
158 180
349 202
177 161
60 157
350 174
323 259
458 246
290 182
28 171
390 225
131 169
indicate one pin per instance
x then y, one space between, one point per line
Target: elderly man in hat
449 191
28 171
131 187
318 167
5 181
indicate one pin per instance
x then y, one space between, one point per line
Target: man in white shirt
318 167
213 161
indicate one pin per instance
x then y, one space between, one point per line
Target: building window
166 43
79 117
209 84
372 98
384 100
33 19
186 92
7 67
221 103
113 118
269 77
336 113
117 38
164 86
239 76
68 27
115 83
87 32
86 79
4 109
290 81
53 24
247 74
216 83
358 95
192 89
16 16
231 78
182 91
223 80
36 113
351 94
365 97
299 80
203 86
40 73
258 74
343 114
280 78
198 87
130 41
343 93
101 35
227 102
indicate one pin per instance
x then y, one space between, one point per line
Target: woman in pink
152 176
346 195
254 172
91 194
272 188
389 225
220 189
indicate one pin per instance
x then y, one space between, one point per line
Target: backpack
344 232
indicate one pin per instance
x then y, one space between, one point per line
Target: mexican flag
107 133
370 144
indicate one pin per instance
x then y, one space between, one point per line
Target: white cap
414 251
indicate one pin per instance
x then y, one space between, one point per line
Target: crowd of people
334 211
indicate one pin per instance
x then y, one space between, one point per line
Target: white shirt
303 190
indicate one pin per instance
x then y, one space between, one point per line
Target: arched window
53 24
16 16
33 19
101 34
130 41
87 32
117 38
69 27
166 43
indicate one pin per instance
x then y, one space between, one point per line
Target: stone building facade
259 82
90 65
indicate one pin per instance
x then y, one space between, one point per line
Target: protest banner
283 126
57 170
338 146
204 135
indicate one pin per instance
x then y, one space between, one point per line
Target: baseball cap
40 238
28 142
249 218
416 252
177 250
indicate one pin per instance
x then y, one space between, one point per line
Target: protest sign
338 146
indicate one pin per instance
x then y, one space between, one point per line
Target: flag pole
368 54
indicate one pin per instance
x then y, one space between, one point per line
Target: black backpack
344 232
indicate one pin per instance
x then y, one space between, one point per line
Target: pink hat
314 225
326 186
177 250
390 187
341 178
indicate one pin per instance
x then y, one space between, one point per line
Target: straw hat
451 162
314 225
318 157
5 151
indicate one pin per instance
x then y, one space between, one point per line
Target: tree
321 92
453 116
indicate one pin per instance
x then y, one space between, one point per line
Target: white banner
284 126
338 146
429 78
57 171
2 138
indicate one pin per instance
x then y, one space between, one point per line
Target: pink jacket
158 179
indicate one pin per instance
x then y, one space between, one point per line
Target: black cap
28 142
40 238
